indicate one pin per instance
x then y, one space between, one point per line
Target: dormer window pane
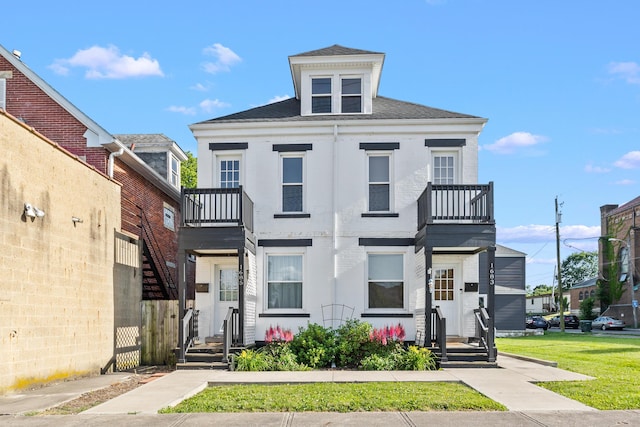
351 96
321 95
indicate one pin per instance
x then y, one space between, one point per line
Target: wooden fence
160 322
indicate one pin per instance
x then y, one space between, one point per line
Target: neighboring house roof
96 135
585 284
383 108
504 251
152 142
336 49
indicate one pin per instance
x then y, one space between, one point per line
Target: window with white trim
175 171
351 95
321 95
385 281
444 169
229 172
379 182
292 183
169 217
284 281
3 94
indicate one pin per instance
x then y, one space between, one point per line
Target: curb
530 359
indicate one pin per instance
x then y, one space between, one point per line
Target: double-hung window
351 96
385 281
175 171
292 183
284 281
379 183
321 95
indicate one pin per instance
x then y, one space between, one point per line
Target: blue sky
559 82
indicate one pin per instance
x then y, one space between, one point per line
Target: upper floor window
292 184
169 217
3 93
229 172
444 169
379 183
321 95
175 172
336 94
351 95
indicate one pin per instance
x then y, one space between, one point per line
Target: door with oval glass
226 295
447 296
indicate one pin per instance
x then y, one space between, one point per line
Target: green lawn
338 397
614 362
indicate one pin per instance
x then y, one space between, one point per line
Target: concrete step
202 365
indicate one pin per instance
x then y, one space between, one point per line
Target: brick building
617 255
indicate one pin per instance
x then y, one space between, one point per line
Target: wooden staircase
463 354
207 355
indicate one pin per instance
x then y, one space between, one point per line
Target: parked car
607 322
570 321
536 322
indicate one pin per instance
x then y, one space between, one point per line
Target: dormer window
351 95
321 95
343 97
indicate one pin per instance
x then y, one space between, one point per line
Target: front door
226 295
446 296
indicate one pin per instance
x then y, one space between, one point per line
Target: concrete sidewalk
513 385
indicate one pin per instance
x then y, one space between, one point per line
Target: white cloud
596 169
278 98
190 111
627 71
631 160
516 140
535 233
108 63
200 87
224 58
625 182
209 105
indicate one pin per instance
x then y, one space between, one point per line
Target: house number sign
492 275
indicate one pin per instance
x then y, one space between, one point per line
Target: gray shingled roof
383 108
143 138
336 49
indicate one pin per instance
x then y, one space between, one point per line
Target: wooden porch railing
210 207
456 203
484 334
439 332
230 330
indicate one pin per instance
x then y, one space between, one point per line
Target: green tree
578 267
189 171
541 290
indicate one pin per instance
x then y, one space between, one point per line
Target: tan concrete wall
56 277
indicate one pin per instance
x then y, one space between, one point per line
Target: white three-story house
339 203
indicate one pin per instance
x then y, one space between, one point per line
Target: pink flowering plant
277 334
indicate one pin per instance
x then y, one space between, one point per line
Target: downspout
335 218
118 153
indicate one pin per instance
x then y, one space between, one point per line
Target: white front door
446 295
226 295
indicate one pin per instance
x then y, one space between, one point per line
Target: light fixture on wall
32 212
76 220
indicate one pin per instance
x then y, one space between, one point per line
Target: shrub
586 309
416 358
376 362
314 346
279 357
250 360
353 343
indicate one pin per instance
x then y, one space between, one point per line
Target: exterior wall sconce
76 220
32 212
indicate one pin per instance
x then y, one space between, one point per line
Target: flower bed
354 345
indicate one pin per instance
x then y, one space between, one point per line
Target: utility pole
560 299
